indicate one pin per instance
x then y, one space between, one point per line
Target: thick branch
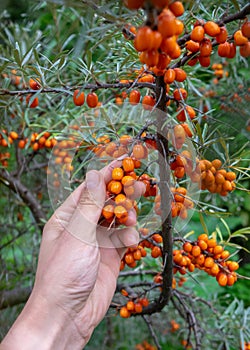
15 185
166 196
14 297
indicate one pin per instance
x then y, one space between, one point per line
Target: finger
122 239
87 213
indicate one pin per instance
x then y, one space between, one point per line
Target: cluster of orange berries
133 255
133 305
219 72
180 132
180 204
62 152
120 192
4 159
35 141
79 98
183 163
214 179
205 254
145 346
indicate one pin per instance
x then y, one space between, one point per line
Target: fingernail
93 179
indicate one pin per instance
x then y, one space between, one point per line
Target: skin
77 271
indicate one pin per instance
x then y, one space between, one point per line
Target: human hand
77 270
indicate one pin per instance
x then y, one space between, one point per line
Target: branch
166 196
69 89
14 297
15 185
152 332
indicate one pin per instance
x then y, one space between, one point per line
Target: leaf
236 4
17 57
203 224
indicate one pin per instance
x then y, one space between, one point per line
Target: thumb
84 220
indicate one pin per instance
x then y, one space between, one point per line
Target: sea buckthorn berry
138 308
187 247
180 94
117 174
181 116
128 164
218 249
206 47
225 254
209 262
137 255
130 305
222 36
156 252
92 100
214 270
177 8
78 98
216 163
157 238
222 279
180 74
196 251
245 50
34 85
124 313
211 28
169 76
211 243
202 244
197 33
108 211
144 39
148 102
134 97
34 103
192 46
239 38
233 266
204 61
230 176
166 24
230 279
133 4
128 180
129 190
179 27
139 151
116 187
203 237
245 29
232 52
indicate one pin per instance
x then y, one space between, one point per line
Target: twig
152 332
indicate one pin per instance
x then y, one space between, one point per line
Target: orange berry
134 97
138 308
245 29
204 61
166 24
187 247
192 46
133 4
34 103
13 135
169 76
148 102
211 28
245 50
78 98
144 39
180 94
209 262
206 47
230 176
222 279
128 180
177 8
34 85
92 100
211 243
138 151
128 164
225 254
202 244
120 212
222 36
124 313
115 187
156 252
239 38
214 270
197 33
196 251
108 211
180 74
117 174
130 305
137 255
233 266
203 237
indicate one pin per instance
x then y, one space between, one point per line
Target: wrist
41 326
